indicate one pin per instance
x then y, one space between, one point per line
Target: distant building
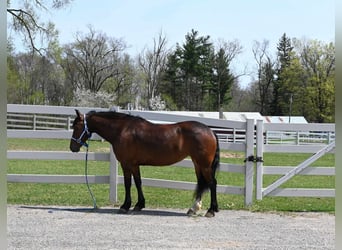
285 119
240 116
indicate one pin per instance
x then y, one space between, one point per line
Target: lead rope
86 178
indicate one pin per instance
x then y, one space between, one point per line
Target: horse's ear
78 112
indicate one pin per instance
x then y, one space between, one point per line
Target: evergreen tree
172 87
284 57
195 67
189 72
222 81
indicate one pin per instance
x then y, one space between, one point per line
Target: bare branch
26 19
20 14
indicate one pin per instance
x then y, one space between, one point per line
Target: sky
139 22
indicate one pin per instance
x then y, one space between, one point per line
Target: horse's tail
216 162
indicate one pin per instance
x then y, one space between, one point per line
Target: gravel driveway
40 227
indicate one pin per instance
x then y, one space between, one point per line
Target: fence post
68 123
249 162
259 155
234 135
113 177
34 122
298 140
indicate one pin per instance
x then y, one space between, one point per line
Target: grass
77 194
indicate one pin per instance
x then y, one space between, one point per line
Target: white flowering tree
156 103
87 98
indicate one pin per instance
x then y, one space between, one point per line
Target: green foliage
196 78
279 105
36 79
306 73
222 81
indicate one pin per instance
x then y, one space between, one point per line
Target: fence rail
37 122
40 117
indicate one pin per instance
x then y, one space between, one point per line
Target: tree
285 55
189 71
34 79
156 103
284 52
223 80
318 60
152 63
196 56
231 48
126 86
171 87
85 98
293 98
266 73
92 60
14 83
242 99
25 20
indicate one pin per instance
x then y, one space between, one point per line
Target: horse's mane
115 115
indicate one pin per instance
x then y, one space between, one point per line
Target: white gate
320 144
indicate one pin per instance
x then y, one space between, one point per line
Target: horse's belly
162 159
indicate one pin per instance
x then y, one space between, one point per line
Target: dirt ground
41 227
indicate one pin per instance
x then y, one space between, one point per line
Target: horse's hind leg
137 180
205 179
213 199
201 187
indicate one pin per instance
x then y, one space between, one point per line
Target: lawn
77 194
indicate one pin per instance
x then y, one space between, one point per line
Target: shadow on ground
146 212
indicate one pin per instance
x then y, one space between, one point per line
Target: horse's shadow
115 211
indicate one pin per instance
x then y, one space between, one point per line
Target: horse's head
80 132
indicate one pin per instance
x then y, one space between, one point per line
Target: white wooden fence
113 179
254 136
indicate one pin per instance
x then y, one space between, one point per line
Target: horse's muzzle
74 149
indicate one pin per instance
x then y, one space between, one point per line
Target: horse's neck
105 128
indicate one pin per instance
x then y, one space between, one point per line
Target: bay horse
136 141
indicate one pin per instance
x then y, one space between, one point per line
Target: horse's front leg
128 182
137 180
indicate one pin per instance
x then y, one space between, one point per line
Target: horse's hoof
137 209
210 214
123 211
191 212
